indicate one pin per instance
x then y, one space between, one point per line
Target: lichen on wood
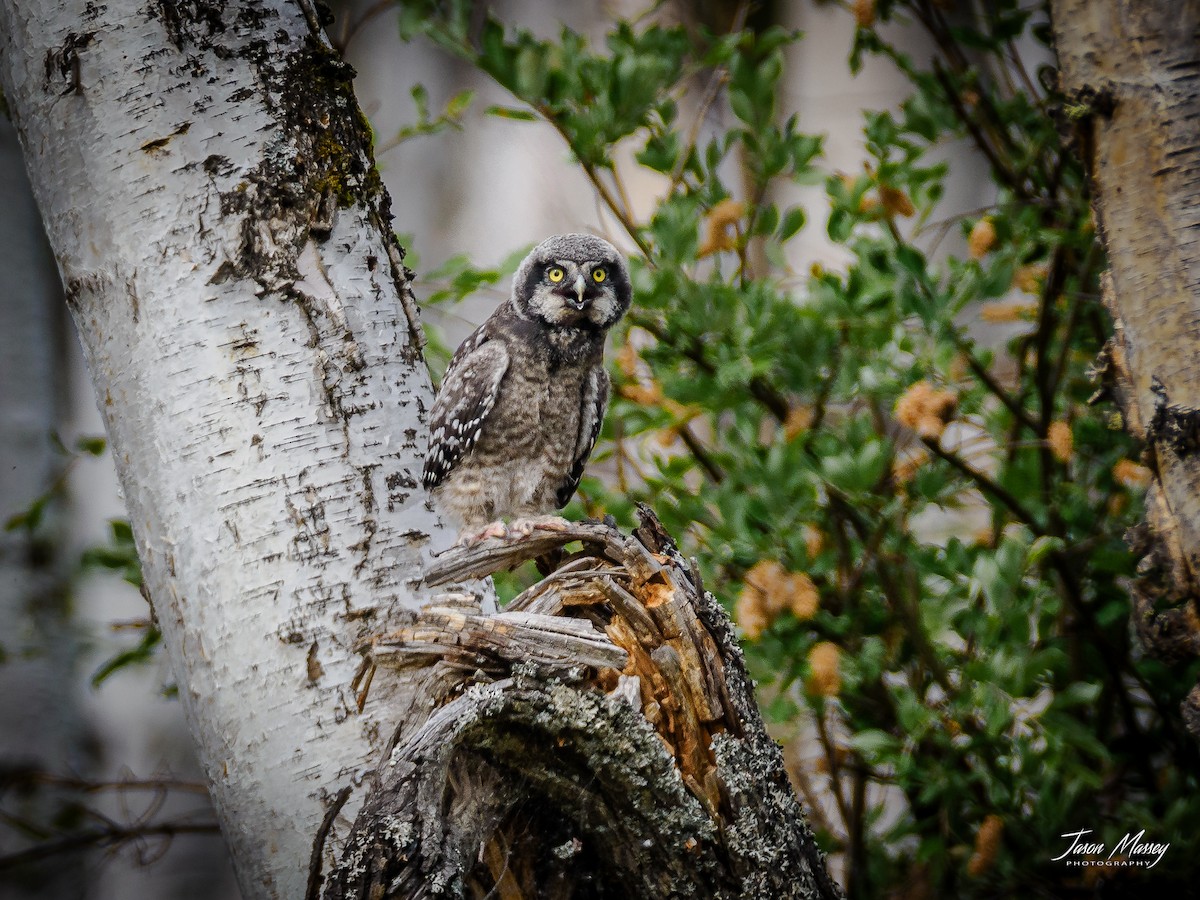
598 738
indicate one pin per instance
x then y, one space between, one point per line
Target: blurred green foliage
117 554
920 533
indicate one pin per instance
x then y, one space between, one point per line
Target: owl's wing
463 403
594 402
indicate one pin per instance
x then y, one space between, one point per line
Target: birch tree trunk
1132 72
205 179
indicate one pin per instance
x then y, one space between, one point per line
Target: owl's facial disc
573 281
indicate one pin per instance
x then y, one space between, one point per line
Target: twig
701 454
988 486
979 370
1003 172
36 776
353 28
710 96
114 835
315 878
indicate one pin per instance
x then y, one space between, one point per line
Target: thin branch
835 772
315 878
988 486
979 370
1003 172
350 32
701 454
36 776
710 96
113 836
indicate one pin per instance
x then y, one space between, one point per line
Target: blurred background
854 385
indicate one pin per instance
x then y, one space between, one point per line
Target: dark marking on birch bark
64 63
1164 613
313 665
366 495
1174 426
1088 101
189 22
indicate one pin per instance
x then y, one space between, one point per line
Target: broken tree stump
598 738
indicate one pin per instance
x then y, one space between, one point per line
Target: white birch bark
203 173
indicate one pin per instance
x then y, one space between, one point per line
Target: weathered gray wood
477 641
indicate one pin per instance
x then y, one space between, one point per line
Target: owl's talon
526 527
491 530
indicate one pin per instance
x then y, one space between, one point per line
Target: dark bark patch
313 665
218 165
1173 426
63 63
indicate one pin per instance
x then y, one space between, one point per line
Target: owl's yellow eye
598 275
555 274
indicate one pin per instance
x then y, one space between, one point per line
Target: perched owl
523 399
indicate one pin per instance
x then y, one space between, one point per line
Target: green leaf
793 221
911 260
840 225
140 654
511 112
874 743
30 517
95 446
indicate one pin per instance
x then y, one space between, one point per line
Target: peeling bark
624 757
205 178
1131 71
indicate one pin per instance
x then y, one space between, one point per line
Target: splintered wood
624 609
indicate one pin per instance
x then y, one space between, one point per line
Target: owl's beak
580 285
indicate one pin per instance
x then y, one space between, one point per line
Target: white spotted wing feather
463 403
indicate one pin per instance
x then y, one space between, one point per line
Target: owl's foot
526 527
491 530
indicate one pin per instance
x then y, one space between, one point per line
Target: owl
524 397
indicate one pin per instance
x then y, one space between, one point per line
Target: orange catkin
982 238
770 590
864 13
824 661
926 410
895 201
720 232
987 845
1061 441
1129 474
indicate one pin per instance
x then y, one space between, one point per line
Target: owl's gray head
573 281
